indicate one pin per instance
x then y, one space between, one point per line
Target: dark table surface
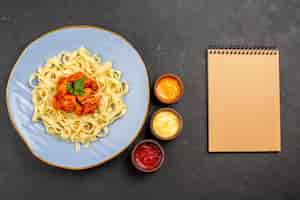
171 36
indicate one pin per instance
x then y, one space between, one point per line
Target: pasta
69 126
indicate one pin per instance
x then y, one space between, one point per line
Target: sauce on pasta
81 100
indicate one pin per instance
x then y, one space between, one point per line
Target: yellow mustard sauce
166 124
168 89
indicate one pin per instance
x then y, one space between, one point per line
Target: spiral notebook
243 100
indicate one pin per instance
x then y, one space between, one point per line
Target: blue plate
122 133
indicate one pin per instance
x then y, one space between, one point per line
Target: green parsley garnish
70 88
77 88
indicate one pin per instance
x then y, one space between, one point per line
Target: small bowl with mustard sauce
166 124
168 88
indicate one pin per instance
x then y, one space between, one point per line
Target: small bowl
137 166
178 131
180 84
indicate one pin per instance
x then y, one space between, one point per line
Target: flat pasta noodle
68 126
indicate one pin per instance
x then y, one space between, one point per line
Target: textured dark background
171 36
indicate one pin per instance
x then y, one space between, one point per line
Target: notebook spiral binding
244 51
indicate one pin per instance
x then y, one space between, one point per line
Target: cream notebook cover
243 100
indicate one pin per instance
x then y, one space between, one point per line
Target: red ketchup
147 156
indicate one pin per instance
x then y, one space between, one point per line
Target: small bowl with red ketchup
147 156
